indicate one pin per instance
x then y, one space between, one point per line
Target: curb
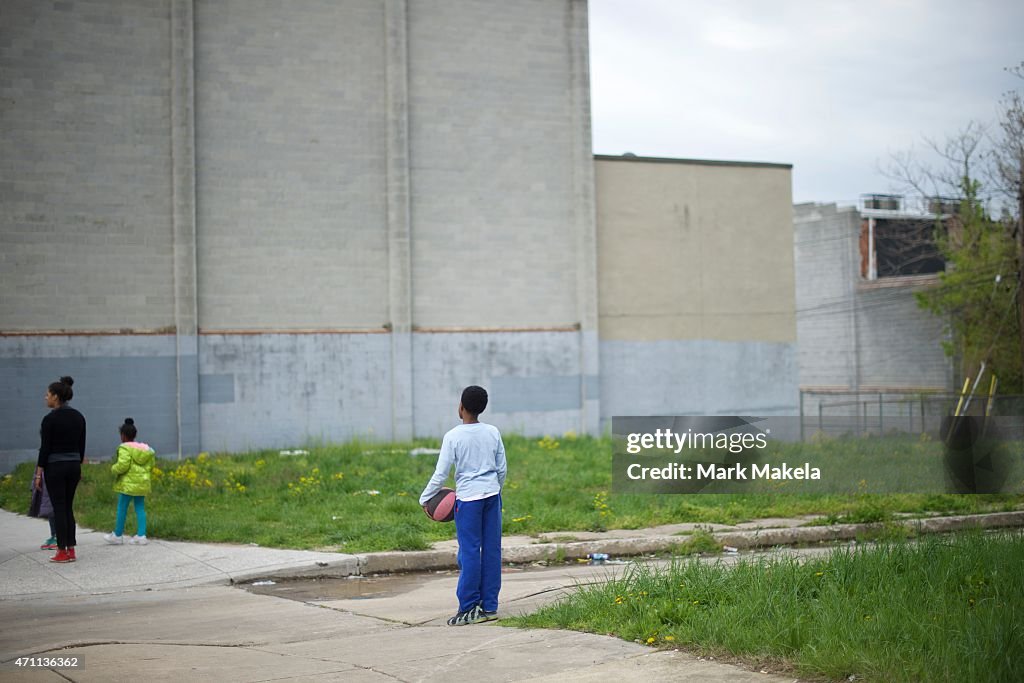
347 565
432 560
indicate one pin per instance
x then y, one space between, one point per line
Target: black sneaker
489 616
473 615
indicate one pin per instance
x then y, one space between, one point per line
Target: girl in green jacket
132 469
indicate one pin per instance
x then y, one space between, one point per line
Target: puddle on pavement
325 589
347 588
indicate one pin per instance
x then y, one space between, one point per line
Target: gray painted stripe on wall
537 394
698 377
107 390
217 388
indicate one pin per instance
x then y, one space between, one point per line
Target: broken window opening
899 247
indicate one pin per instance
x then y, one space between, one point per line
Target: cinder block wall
490 116
86 240
857 336
290 139
85 227
295 221
503 256
827 272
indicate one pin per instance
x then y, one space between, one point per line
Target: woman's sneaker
50 544
474 615
62 556
114 540
138 540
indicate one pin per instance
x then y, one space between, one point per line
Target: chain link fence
874 413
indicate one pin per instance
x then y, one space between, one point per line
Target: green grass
941 609
321 500
699 541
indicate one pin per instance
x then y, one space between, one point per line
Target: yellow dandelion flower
651 640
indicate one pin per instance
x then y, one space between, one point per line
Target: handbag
36 502
39 504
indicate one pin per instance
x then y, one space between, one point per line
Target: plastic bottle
598 558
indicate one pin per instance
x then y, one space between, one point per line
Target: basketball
441 506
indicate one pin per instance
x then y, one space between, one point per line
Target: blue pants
122 512
478 529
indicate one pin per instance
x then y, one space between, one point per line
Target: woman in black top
61 453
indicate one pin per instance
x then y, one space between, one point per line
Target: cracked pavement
167 612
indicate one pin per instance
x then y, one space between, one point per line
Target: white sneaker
138 540
114 540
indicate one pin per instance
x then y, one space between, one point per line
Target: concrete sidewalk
165 611
25 570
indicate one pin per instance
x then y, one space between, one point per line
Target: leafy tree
980 293
977 293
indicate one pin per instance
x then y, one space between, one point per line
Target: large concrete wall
290 139
501 251
858 335
309 220
85 213
697 305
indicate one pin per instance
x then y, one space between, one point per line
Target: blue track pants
478 529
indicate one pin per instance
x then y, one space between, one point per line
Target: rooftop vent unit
883 202
943 206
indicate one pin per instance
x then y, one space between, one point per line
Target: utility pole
1020 254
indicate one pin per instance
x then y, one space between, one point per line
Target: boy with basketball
478 454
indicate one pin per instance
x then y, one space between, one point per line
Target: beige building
696 293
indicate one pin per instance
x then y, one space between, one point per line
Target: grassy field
941 609
360 497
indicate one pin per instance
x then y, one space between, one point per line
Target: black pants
61 481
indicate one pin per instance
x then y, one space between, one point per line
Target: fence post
881 429
801 416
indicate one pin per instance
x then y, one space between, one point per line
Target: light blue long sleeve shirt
478 454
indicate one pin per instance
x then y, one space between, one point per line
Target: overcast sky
832 87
